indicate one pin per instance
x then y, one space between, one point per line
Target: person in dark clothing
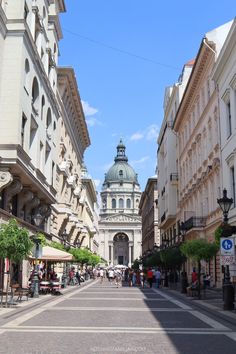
78 276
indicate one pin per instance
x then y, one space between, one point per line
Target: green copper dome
121 170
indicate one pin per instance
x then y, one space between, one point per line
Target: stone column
112 254
130 252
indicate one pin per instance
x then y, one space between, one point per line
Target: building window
121 203
229 120
23 123
121 174
33 131
27 76
42 107
113 203
128 204
232 182
35 94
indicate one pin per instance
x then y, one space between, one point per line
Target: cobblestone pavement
100 318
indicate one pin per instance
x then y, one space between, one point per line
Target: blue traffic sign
227 245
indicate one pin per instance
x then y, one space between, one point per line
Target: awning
53 254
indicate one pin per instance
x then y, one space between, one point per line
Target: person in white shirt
101 275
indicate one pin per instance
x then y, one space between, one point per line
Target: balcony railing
194 222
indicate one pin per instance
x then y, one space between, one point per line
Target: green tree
199 250
81 255
15 244
94 259
57 245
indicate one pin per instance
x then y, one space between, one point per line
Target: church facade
120 227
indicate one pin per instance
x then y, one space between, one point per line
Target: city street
100 318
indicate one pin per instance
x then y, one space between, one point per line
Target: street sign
227 260
227 246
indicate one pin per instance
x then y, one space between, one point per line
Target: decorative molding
121 218
226 96
6 179
233 82
14 188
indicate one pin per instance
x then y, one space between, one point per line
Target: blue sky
124 54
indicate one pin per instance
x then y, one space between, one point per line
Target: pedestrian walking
101 275
157 278
150 277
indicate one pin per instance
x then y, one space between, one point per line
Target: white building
224 76
167 160
120 225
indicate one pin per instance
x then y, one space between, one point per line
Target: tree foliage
15 243
199 249
57 245
84 256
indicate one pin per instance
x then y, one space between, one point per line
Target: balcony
194 222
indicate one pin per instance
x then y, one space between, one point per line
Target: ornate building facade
120 224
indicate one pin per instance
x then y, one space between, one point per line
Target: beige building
73 138
224 75
148 210
197 126
43 132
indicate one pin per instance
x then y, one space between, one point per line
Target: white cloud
97 182
136 136
92 121
150 133
88 110
140 161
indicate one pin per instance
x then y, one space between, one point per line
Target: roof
53 254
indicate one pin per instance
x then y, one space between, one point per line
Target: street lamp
35 280
228 289
64 275
37 218
184 278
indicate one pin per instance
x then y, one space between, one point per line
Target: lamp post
64 275
228 289
37 218
184 278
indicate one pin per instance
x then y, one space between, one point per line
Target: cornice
66 77
225 53
201 62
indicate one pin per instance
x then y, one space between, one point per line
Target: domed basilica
120 227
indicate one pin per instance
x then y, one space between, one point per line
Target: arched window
49 123
35 93
121 174
137 203
121 203
128 203
113 203
27 75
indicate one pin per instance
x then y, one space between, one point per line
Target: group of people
143 277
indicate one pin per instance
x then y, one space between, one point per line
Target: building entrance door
121 249
120 259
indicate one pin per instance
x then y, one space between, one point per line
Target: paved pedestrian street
100 318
